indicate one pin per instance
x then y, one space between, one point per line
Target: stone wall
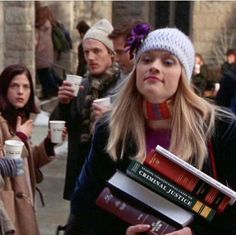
17 34
214 29
132 9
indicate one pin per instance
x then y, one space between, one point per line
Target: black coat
72 114
226 95
99 167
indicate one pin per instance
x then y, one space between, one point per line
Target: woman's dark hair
82 26
8 110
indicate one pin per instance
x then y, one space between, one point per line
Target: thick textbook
202 186
169 190
131 212
168 210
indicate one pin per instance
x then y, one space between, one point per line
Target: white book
201 175
153 200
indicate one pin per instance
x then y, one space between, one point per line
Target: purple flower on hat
138 34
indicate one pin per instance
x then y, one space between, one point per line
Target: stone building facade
17 33
211 25
214 29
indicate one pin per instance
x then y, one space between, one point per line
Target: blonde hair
192 123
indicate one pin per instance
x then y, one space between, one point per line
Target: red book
131 212
188 181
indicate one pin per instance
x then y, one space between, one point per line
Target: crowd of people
142 70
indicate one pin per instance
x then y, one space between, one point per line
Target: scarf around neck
98 88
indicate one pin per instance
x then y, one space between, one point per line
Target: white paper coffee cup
104 102
197 68
75 81
56 130
217 86
13 148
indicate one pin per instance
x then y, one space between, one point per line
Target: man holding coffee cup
102 77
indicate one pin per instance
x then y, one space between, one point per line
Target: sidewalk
56 209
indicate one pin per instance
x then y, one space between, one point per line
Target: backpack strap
212 159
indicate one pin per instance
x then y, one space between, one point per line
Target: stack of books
164 192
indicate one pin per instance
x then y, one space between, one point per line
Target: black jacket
226 95
72 114
99 167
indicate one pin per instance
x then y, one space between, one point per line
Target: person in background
45 56
229 64
79 112
226 95
18 191
82 28
119 37
157 105
200 74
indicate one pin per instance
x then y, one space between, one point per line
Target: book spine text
191 183
166 188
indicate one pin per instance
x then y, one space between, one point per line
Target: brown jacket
18 193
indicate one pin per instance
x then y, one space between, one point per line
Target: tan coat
18 193
6 222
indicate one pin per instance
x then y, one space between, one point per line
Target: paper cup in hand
13 148
104 102
75 81
56 130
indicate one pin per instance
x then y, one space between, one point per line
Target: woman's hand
26 128
141 228
183 231
137 229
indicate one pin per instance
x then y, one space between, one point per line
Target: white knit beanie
173 41
100 32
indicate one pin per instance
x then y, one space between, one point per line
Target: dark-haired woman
17 193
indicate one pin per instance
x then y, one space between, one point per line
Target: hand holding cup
66 92
101 106
57 131
75 80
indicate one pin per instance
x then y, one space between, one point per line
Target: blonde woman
156 106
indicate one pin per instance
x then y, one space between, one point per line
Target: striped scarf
99 86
